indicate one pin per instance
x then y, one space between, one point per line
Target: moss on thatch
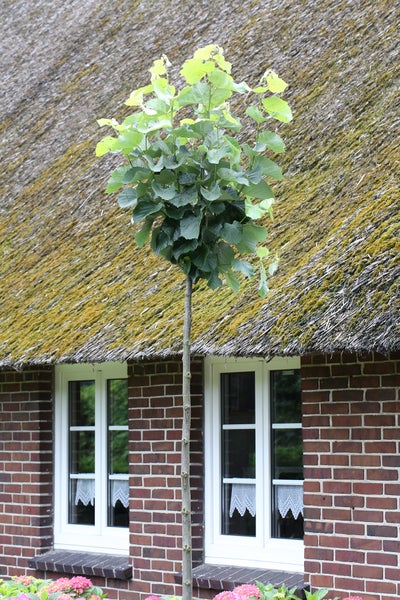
73 285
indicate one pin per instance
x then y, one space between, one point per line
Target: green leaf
190 226
116 180
128 140
187 178
211 194
136 174
271 140
232 232
277 108
275 84
263 285
262 252
143 235
127 198
268 167
255 113
221 80
213 281
188 196
145 208
229 175
257 211
107 144
225 256
109 122
136 97
182 248
243 266
194 69
259 190
164 192
273 266
196 94
158 68
216 154
205 259
252 235
232 281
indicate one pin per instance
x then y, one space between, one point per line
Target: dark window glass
81 403
238 453
238 398
118 460
286 455
238 448
285 394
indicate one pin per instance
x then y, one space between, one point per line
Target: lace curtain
289 497
85 491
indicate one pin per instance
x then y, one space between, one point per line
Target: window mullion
101 453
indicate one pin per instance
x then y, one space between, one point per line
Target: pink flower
22 597
26 579
227 595
247 590
59 585
153 598
79 584
352 598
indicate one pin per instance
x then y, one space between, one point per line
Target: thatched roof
73 285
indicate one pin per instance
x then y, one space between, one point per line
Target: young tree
196 190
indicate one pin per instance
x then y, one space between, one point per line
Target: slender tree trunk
185 460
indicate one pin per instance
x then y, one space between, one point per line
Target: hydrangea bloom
228 595
352 598
26 579
247 590
22 596
59 585
79 584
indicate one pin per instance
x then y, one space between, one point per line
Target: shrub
25 587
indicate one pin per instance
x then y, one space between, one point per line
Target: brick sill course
89 564
219 577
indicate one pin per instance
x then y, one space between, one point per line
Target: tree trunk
185 460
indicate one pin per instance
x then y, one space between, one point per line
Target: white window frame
98 537
262 550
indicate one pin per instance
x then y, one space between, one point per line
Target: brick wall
155 418
25 467
351 407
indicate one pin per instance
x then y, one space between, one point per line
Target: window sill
89 564
221 577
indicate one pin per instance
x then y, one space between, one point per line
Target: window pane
118 446
238 453
81 452
118 460
81 403
236 518
238 398
286 396
117 394
287 454
287 520
81 502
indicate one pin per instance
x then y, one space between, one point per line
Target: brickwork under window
25 467
155 417
351 409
